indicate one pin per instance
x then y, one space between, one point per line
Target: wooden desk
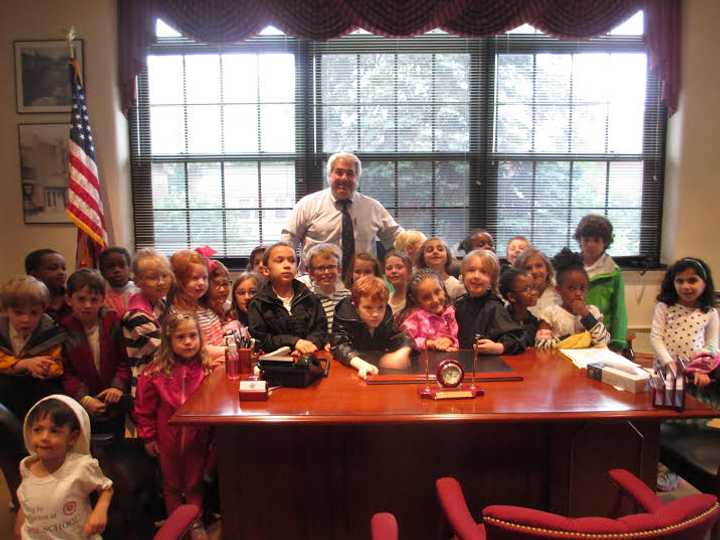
318 462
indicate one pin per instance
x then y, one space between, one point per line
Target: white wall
692 192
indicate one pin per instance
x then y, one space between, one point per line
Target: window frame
483 180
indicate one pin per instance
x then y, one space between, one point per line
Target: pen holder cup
245 356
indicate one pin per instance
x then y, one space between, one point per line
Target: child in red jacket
164 385
97 372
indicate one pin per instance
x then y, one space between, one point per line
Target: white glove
364 368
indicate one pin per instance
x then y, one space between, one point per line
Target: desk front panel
318 462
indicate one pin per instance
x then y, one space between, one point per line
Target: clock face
450 373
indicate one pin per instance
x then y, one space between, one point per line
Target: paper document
582 357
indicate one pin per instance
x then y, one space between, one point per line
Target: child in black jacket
517 288
364 322
284 312
481 313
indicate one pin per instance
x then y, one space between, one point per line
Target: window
519 134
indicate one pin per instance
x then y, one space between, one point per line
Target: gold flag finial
71 36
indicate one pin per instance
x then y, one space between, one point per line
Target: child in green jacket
594 233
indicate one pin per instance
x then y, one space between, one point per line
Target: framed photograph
44 172
42 80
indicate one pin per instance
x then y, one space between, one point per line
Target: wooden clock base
462 391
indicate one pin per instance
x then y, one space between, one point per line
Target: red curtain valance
228 21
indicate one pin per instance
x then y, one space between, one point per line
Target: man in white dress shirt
319 217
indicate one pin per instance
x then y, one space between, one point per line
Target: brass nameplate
454 394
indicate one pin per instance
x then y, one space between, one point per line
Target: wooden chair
689 518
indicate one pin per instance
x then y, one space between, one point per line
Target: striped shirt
329 302
210 325
564 324
141 330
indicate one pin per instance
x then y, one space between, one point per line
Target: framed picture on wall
42 79
44 172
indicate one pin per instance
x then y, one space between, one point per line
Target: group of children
117 346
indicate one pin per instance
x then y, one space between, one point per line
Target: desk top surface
552 389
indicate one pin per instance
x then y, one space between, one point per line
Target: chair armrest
636 488
456 511
383 526
178 523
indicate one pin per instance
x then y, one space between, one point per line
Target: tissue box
632 382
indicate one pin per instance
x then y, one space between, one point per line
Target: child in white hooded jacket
59 474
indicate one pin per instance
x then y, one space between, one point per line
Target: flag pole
84 205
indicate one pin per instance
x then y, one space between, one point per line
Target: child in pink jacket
428 318
179 367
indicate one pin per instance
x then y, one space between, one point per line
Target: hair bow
207 252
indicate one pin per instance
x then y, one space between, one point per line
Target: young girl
141 322
535 262
574 315
244 289
516 286
685 322
483 321
429 319
434 254
191 279
218 290
255 261
361 264
176 372
398 267
409 242
284 312
59 474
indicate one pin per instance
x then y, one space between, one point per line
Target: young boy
483 322
517 288
364 322
594 233
323 264
284 312
59 475
97 373
115 268
30 357
141 323
30 345
48 266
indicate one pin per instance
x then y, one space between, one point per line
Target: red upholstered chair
179 522
689 518
383 526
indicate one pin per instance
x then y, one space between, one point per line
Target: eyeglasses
326 268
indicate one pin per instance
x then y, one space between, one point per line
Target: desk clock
449 376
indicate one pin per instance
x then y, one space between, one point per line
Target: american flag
84 206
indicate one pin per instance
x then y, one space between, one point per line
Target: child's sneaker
666 479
